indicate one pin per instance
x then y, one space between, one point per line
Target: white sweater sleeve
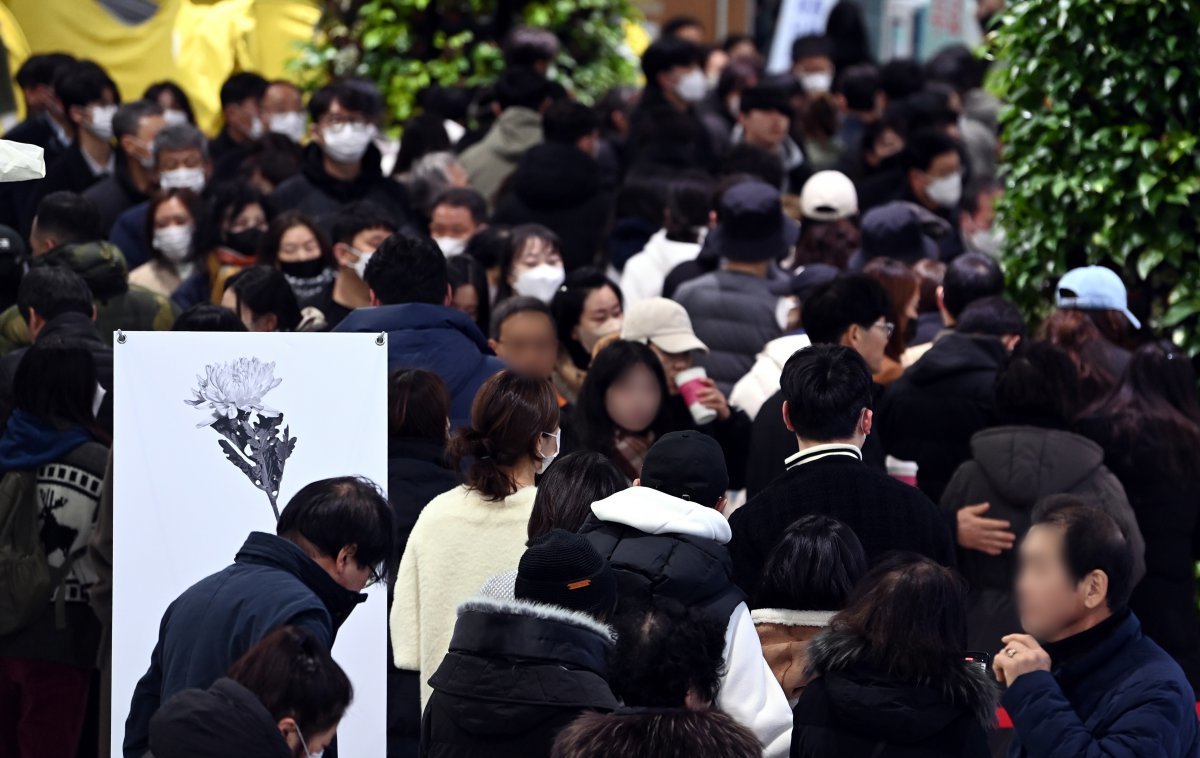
404 623
750 694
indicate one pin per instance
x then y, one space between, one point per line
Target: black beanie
564 569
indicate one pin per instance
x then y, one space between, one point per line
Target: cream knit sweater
459 541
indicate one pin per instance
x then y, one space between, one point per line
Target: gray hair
129 115
180 137
430 176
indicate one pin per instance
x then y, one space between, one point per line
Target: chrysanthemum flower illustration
249 428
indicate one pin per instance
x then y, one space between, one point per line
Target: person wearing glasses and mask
341 164
331 542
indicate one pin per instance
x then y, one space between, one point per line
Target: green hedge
1100 137
405 45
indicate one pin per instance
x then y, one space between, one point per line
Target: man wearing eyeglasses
331 542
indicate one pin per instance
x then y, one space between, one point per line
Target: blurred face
528 344
984 216
672 364
602 316
452 221
251 217
1048 598
869 342
337 116
944 166
888 144
765 129
466 299
172 212
241 118
171 160
299 244
280 98
633 400
364 243
140 146
536 252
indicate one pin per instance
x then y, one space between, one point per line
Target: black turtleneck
1077 645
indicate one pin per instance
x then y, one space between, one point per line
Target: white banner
182 509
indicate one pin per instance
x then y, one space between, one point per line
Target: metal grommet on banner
120 337
381 340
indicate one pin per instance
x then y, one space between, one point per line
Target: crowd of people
711 429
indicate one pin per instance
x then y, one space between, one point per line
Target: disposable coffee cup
690 383
903 471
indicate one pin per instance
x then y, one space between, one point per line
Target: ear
492 344
95 313
941 298
851 336
914 176
126 144
76 115
346 555
722 504
575 334
1095 586
449 299
270 322
341 253
868 420
287 727
637 482
374 300
787 421
1011 341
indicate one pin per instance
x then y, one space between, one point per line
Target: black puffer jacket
559 186
224 721
851 710
516 674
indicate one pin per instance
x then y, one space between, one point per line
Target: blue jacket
434 338
272 583
129 234
1124 697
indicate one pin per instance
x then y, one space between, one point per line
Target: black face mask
246 241
310 269
910 332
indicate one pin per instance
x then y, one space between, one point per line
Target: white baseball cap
663 322
828 196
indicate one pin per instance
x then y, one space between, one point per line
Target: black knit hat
564 569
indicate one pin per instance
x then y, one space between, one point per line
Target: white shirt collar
817 452
96 168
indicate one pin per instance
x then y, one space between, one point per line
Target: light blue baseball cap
1095 288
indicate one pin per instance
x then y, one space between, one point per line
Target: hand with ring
1021 655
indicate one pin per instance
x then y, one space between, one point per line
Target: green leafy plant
407 45
1100 135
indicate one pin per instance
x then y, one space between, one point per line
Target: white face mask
540 282
987 241
304 745
292 124
347 143
99 124
147 161
360 265
692 86
256 128
588 337
174 117
175 242
548 459
947 191
183 178
451 246
816 81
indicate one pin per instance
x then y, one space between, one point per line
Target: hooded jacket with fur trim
517 673
853 709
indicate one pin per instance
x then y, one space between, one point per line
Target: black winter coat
320 196
272 583
1166 504
885 514
1012 468
929 414
516 674
852 710
225 721
559 187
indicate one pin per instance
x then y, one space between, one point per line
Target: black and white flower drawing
250 430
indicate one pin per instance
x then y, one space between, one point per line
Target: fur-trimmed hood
916 708
526 609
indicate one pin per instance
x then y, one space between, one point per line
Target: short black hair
130 115
354 95
182 102
976 190
848 299
567 307
528 46
522 87
668 53
994 315
83 82
42 69
744 158
826 387
265 290
736 76
814 567
242 86
514 305
958 67
901 77
859 84
336 513
970 277
567 122
207 317
408 270
354 218
52 291
1092 540
463 197
812 46
69 217
1038 386
674 25
921 148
